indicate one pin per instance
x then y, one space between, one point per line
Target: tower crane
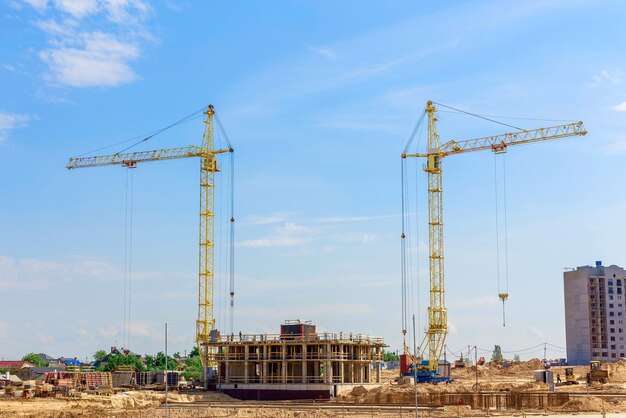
205 323
435 336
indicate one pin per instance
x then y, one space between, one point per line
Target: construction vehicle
596 374
435 336
460 363
570 378
205 323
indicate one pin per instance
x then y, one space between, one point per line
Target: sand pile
588 404
617 371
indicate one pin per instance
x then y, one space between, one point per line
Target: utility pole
544 352
476 365
167 412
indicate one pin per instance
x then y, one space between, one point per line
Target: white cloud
289 235
37 274
4 330
39 5
77 8
620 107
10 121
101 60
535 332
613 77
342 219
351 237
615 148
79 56
327 52
108 331
125 11
272 218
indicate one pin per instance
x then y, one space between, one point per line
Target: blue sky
319 99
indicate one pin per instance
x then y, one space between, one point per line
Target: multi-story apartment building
594 313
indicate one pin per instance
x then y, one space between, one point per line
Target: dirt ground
518 377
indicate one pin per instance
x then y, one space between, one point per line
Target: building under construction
298 363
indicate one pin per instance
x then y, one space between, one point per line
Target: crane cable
403 254
405 245
231 219
148 135
503 295
128 252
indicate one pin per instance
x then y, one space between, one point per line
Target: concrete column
304 363
341 363
283 367
246 364
226 367
378 364
264 372
329 374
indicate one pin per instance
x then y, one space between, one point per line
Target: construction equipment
205 322
434 338
596 374
570 378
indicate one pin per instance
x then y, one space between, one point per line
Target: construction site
299 371
345 287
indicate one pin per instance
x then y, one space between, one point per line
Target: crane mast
437 313
205 323
436 332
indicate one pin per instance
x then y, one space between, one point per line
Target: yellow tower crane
207 153
434 339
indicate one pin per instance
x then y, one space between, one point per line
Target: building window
612 322
611 305
612 330
610 290
613 347
619 290
612 313
604 354
613 355
619 282
612 338
611 296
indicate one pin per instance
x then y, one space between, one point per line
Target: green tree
35 359
193 368
176 355
194 351
496 357
390 356
115 360
99 355
157 362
